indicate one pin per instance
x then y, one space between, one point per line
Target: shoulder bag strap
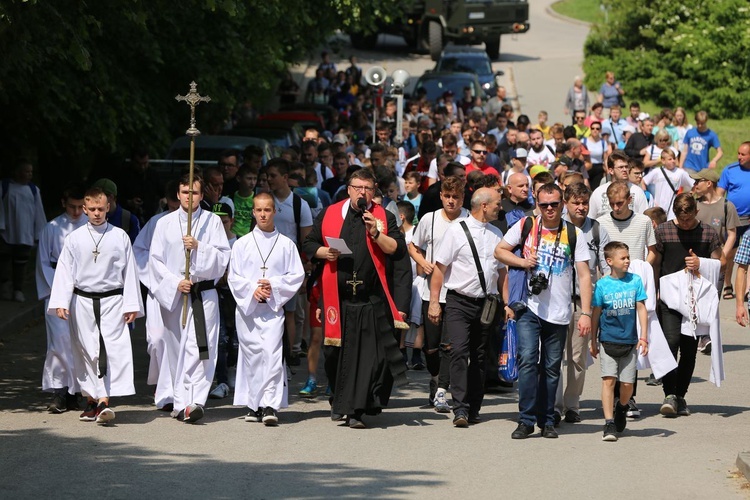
476 257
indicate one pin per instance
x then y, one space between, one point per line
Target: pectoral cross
96 253
263 268
354 283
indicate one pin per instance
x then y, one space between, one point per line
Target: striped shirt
636 232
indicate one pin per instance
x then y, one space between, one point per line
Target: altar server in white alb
209 254
96 289
58 376
161 365
265 272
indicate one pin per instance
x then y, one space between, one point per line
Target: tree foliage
83 78
691 53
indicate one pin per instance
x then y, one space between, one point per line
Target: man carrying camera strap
455 264
548 257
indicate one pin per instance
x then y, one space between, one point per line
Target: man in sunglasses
542 325
479 154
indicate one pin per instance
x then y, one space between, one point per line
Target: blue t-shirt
618 299
736 182
698 144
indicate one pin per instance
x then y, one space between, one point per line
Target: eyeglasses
580 117
480 151
596 128
545 206
362 189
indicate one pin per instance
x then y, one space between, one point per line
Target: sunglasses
545 206
596 128
480 151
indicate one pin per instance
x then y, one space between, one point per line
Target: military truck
430 24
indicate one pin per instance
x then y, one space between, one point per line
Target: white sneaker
18 296
220 391
441 403
6 290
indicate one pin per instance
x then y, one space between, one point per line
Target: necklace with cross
354 283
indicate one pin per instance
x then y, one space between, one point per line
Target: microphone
362 205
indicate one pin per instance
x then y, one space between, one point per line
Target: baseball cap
709 174
519 153
643 116
628 128
536 169
106 185
222 209
340 139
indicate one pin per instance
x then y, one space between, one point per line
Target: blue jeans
538 376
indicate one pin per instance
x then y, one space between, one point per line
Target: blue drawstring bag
507 363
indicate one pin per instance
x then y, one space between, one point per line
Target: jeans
538 373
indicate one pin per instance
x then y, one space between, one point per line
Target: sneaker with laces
669 406
193 413
620 417
682 408
633 410
89 414
522 431
549 432
105 414
270 418
461 419
572 417
58 404
254 416
609 433
704 344
310 390
441 403
220 391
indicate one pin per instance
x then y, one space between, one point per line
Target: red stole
333 221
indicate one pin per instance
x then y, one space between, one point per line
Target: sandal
728 293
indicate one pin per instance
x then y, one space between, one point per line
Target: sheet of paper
339 245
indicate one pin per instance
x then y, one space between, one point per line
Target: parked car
436 83
306 119
283 134
470 60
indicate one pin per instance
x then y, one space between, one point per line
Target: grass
731 133
583 10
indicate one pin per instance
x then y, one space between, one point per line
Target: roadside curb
743 463
550 11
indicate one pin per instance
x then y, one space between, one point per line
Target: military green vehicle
430 24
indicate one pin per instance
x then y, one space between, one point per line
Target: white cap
340 139
521 153
643 116
628 128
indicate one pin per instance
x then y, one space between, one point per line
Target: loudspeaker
400 79
375 76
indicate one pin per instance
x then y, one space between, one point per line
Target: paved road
409 451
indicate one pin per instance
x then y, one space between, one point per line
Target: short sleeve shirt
674 244
618 299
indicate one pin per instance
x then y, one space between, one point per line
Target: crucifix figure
264 269
96 253
354 283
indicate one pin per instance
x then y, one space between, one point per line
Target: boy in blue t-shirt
618 299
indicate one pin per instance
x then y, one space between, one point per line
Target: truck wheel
364 42
493 47
435 34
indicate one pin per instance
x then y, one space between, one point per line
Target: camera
538 283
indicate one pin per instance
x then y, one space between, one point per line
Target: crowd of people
389 253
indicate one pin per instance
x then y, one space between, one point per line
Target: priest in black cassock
364 296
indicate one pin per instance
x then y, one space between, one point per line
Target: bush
690 53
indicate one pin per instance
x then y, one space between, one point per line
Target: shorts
623 369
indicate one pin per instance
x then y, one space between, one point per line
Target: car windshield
476 65
435 87
275 136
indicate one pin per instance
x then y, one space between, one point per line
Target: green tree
690 53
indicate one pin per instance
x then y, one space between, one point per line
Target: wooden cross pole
192 98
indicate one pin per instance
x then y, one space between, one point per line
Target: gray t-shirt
636 232
713 215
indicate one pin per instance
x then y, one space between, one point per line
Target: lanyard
557 243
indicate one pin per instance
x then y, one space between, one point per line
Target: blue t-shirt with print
618 298
735 181
698 144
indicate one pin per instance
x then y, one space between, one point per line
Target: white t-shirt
663 194
284 219
553 304
596 149
422 239
599 201
543 157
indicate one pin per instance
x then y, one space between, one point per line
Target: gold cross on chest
96 253
354 283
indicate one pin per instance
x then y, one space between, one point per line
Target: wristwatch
586 314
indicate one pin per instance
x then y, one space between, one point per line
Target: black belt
199 315
97 303
475 300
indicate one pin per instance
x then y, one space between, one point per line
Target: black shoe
337 417
270 418
522 431
558 418
620 417
58 404
355 422
549 432
572 417
474 418
461 419
254 416
609 432
71 401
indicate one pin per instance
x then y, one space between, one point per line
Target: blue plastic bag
507 362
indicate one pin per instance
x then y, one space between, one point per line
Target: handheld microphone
362 205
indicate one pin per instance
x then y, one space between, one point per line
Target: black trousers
677 381
468 339
435 339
